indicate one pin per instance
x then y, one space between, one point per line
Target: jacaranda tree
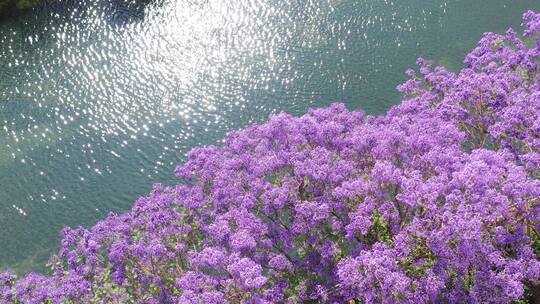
438 201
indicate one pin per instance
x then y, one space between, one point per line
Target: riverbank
15 7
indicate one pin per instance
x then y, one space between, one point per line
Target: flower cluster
436 201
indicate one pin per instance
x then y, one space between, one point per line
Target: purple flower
437 201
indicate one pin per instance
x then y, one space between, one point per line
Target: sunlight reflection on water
98 99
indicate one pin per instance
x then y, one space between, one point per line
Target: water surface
101 98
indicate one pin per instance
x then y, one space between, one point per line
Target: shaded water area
99 99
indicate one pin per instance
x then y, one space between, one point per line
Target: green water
99 99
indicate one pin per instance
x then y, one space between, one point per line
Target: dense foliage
437 201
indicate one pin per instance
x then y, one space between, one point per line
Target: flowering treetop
436 201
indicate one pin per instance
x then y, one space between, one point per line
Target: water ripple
98 99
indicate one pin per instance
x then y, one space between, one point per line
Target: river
99 99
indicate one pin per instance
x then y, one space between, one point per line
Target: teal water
99 99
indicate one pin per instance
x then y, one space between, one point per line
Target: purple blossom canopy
438 201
